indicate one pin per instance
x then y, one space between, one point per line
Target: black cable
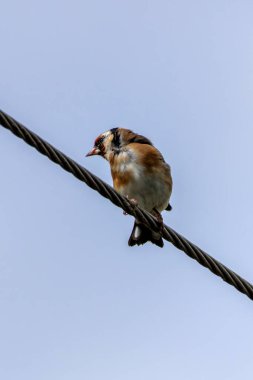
108 192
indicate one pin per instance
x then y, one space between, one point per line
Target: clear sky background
75 301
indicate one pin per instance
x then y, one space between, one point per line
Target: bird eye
99 141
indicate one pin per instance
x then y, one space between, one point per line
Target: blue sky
76 302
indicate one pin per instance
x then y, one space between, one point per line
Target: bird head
115 140
106 143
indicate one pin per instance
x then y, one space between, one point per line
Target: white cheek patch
107 133
107 141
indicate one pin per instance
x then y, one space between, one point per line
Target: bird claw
133 203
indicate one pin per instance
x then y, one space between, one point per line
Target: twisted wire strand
108 192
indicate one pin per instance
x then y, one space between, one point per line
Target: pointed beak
95 151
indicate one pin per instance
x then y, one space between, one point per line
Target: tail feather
141 234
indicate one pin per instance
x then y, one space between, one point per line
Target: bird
140 173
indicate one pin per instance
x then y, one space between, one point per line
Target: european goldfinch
140 173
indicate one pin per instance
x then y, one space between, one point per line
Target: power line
108 192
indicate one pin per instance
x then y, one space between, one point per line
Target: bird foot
133 203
